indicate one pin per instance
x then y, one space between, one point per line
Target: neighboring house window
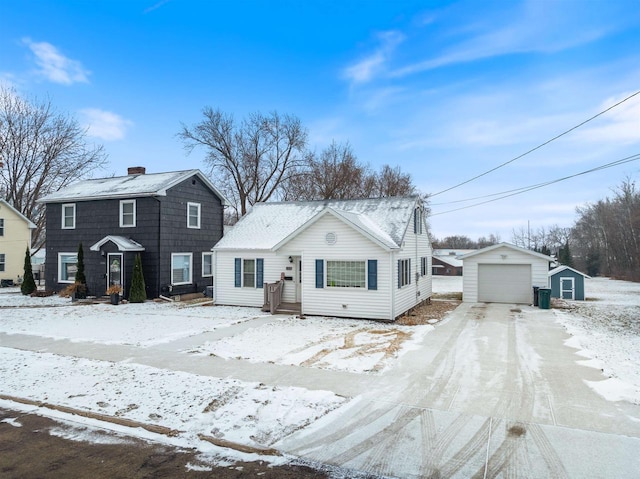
2 262
68 216
67 267
193 215
1 226
404 272
248 273
424 265
181 268
207 264
346 274
127 213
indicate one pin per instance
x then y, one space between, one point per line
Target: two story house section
15 238
171 219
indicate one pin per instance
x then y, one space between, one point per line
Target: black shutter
372 273
238 272
319 273
259 272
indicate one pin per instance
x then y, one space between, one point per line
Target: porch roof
123 244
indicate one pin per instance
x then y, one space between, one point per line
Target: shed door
567 288
504 283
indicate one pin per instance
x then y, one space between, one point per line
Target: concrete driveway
492 392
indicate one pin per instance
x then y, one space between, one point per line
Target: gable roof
450 260
563 268
268 226
509 246
30 223
129 186
123 244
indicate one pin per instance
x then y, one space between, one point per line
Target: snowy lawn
328 343
237 411
144 324
446 284
606 328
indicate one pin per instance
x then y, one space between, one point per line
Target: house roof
30 223
563 268
506 245
450 260
452 252
123 244
129 186
268 226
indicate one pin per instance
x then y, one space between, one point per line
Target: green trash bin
544 298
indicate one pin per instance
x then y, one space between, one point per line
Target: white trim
60 280
255 272
190 255
346 288
122 225
122 285
572 290
66 205
203 273
199 206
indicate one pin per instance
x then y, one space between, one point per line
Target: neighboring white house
503 273
15 238
351 258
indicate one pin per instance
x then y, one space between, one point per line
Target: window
127 213
404 272
1 226
181 268
193 215
67 267
68 216
207 264
424 265
346 274
249 273
2 262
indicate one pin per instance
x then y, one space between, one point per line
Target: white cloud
54 66
367 68
620 125
105 124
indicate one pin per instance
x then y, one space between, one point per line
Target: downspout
418 263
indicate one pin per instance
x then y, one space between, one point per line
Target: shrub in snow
137 293
28 286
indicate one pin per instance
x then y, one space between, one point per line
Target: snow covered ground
446 284
606 328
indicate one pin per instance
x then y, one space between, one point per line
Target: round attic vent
331 238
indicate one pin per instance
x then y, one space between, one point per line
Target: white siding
539 269
350 246
225 291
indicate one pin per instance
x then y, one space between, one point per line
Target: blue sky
445 90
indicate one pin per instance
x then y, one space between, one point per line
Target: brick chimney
136 170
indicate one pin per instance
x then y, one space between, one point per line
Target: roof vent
136 170
331 238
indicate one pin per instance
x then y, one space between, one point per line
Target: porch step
286 308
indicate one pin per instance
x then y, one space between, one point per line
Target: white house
503 273
15 238
351 258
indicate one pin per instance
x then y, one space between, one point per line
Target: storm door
115 270
567 288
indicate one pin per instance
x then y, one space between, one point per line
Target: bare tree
253 159
41 151
393 182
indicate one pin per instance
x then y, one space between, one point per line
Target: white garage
503 273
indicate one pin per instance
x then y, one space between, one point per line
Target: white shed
503 273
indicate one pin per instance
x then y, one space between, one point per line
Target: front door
115 270
567 288
298 280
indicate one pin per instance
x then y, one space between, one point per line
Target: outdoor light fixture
290 259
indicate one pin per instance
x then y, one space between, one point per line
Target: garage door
504 283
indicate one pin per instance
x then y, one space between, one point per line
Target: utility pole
528 235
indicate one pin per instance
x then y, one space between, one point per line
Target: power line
539 146
525 189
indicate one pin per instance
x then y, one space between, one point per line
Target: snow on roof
123 244
268 225
564 267
30 223
450 260
505 245
152 184
451 252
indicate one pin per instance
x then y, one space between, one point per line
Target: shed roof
129 186
563 267
506 245
30 223
268 226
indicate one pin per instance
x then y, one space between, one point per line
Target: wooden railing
272 296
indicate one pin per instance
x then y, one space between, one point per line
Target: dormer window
127 213
69 216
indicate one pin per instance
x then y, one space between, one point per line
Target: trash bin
544 298
535 295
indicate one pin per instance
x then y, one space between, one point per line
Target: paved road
492 392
